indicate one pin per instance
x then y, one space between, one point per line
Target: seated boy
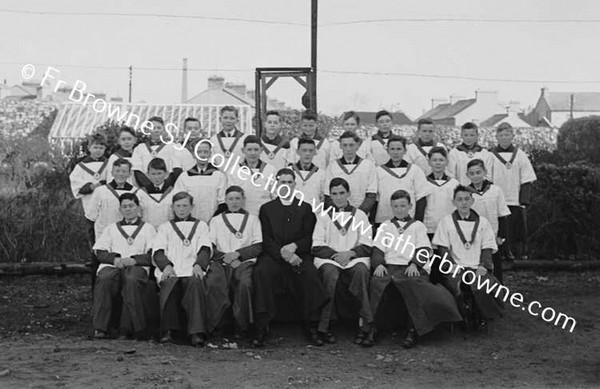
399 268
489 203
156 199
123 251
342 258
237 241
186 276
466 242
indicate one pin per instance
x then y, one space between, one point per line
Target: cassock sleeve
106 257
368 203
420 209
270 246
377 257
159 245
486 259
250 252
525 193
103 247
308 225
203 257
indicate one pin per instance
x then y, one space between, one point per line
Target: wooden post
313 56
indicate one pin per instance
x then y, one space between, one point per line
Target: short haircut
157 119
424 122
234 188
157 164
309 115
285 171
129 196
351 115
127 129
400 194
469 126
350 134
98 139
252 139
397 138
381 113
475 162
337 181
461 188
122 162
229 108
438 150
503 126
191 119
273 112
183 195
305 141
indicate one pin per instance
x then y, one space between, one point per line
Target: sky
539 52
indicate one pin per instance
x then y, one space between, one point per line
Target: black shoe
167 337
327 337
360 337
411 339
315 339
99 334
198 340
369 340
261 336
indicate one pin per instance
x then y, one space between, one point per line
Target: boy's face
438 162
400 208
157 130
234 201
192 127
120 173
126 141
308 127
463 201
96 150
182 208
426 132
348 146
288 181
272 125
350 125
306 152
505 138
157 176
396 151
252 151
129 209
476 174
202 152
228 120
469 136
339 195
384 123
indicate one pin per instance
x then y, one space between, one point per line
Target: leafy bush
564 217
579 140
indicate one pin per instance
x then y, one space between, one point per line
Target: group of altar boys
400 229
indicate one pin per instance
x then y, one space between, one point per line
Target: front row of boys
323 261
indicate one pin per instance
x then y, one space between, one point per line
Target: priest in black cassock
286 264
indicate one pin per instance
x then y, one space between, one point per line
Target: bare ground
44 328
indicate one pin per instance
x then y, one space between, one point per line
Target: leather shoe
360 337
315 338
261 336
198 340
99 334
327 337
411 339
369 340
167 337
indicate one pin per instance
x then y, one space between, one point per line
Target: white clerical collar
286 202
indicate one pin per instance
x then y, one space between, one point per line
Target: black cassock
282 225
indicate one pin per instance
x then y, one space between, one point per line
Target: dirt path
44 323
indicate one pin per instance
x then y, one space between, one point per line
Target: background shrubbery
40 220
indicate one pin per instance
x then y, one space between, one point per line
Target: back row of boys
374 168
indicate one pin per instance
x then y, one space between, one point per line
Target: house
513 116
555 108
455 113
399 118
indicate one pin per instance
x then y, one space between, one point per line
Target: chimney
238 88
543 91
513 108
436 102
216 82
490 97
184 81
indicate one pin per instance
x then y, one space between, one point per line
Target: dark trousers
347 291
272 277
240 292
128 284
187 294
517 231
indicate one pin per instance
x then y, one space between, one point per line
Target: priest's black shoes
411 339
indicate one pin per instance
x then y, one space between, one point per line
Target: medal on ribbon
343 229
89 171
96 176
461 235
155 152
507 164
186 241
271 155
470 154
239 234
129 238
228 151
402 229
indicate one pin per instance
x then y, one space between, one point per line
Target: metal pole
258 103
313 56
130 77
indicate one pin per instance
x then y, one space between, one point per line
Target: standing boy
156 199
276 149
511 170
489 203
228 142
127 140
192 134
468 150
123 251
310 179
342 258
308 128
237 241
418 151
378 142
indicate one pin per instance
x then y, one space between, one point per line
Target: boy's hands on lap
380 271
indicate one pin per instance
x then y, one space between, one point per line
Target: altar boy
342 258
310 179
123 251
417 152
468 150
237 241
156 199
